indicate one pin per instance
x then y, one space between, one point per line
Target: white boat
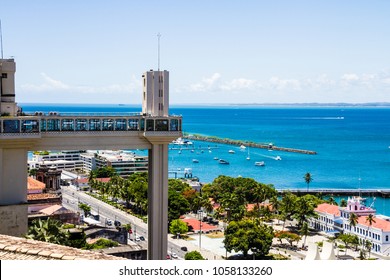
231 152
248 157
278 158
260 163
215 158
222 161
195 161
242 147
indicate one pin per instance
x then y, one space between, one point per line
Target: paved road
71 198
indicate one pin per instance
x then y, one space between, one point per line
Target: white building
333 219
124 163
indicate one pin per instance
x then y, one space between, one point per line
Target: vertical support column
13 191
158 202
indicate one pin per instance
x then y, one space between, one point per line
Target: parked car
174 256
108 222
142 238
117 223
184 249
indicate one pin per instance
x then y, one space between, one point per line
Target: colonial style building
335 220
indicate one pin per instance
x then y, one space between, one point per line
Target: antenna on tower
158 36
1 41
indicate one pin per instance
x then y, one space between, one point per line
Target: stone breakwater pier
246 144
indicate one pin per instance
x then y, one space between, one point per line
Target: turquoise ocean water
352 144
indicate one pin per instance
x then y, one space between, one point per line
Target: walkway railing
77 123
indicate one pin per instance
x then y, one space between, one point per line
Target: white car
174 256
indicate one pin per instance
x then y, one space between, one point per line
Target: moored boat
222 161
260 163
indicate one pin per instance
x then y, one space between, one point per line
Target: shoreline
246 143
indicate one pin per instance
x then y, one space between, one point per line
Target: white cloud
206 84
52 85
285 84
349 77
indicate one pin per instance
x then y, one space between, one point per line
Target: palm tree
308 179
305 232
343 203
288 206
370 219
332 201
353 219
48 231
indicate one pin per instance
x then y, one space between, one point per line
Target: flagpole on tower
158 36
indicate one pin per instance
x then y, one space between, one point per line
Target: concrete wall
13 219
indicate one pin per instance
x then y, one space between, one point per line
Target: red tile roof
378 224
328 209
194 223
39 196
33 184
16 248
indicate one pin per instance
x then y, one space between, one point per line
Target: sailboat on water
248 156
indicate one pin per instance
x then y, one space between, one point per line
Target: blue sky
216 51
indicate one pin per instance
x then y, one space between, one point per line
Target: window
4 75
387 238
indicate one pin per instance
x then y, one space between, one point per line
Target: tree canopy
178 227
248 234
193 255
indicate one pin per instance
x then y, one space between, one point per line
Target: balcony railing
68 123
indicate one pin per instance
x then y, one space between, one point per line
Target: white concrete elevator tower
155 104
153 129
155 100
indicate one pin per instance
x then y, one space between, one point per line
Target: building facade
335 220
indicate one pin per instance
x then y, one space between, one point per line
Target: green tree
347 239
193 255
332 201
353 219
368 247
370 219
177 205
104 172
304 231
287 206
248 234
85 208
235 204
343 203
308 179
178 227
115 186
48 231
33 172
304 208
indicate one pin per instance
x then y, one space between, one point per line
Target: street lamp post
226 225
200 230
